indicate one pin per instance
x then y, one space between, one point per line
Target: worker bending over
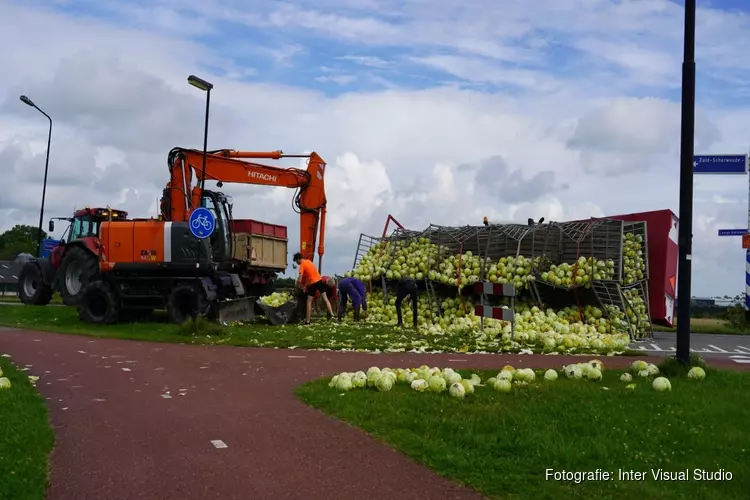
310 279
407 287
354 288
331 289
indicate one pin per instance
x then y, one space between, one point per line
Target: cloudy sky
434 111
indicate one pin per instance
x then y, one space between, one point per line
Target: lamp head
27 101
199 83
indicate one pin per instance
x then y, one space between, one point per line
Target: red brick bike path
119 438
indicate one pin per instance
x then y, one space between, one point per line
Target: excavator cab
220 243
220 240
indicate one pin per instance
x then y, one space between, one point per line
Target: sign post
202 224
730 165
484 288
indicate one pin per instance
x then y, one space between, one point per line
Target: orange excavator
158 263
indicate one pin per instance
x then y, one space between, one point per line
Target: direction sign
720 164
732 232
47 246
202 223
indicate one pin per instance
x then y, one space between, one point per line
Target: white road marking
656 347
99 400
203 367
166 396
458 360
719 349
125 369
81 352
218 443
296 357
742 348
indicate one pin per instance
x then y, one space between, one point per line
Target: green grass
26 438
708 325
56 299
502 444
321 335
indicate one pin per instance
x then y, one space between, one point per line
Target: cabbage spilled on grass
427 379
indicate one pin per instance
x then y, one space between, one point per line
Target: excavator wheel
31 287
79 266
185 300
99 303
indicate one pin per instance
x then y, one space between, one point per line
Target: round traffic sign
202 223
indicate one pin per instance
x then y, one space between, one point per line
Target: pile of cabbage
547 331
448 380
633 259
419 258
276 299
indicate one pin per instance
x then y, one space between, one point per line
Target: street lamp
29 102
686 187
206 87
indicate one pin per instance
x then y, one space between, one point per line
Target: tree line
21 238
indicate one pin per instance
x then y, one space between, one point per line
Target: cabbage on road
323 335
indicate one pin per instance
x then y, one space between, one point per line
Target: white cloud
568 137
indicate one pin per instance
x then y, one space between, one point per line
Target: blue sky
338 47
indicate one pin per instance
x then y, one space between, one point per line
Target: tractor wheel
185 301
31 287
79 266
99 303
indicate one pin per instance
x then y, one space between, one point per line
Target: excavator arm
228 165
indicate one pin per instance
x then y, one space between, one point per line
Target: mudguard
48 271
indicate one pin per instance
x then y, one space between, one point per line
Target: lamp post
206 87
29 102
686 187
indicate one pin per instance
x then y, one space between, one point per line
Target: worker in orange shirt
313 284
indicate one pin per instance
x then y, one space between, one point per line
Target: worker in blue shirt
354 288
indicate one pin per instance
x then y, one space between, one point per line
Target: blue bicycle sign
202 223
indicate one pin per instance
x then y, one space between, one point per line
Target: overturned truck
624 266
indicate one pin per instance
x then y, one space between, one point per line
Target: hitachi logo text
265 177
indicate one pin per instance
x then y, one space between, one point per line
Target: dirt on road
145 421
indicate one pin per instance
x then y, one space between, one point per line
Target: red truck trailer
662 227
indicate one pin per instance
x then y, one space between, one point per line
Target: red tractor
73 261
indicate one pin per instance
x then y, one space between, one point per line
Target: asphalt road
729 347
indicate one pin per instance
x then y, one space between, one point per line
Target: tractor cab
85 222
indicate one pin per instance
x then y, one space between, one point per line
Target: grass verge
15 299
320 335
707 325
26 438
502 444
